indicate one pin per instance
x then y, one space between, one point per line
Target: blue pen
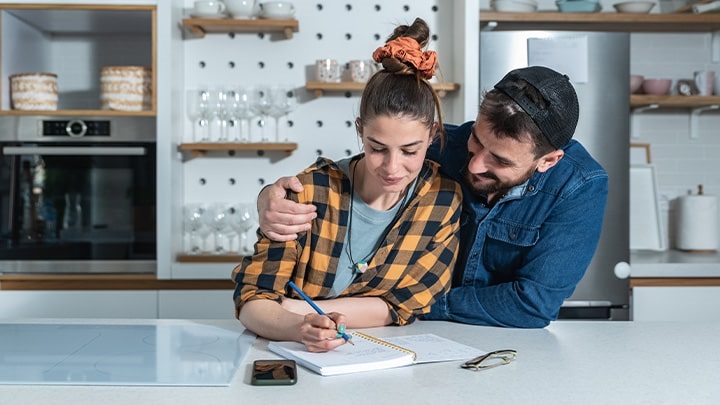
317 308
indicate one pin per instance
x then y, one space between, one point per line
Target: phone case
274 372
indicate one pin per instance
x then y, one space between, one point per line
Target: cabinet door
78 304
196 304
676 304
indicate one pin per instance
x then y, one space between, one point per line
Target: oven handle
75 150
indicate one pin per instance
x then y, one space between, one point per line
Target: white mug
704 81
240 9
277 9
209 8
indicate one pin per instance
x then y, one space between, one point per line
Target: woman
384 241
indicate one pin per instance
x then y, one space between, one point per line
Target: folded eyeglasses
490 360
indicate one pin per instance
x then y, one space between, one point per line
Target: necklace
361 266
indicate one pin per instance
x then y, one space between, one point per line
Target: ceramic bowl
521 6
656 87
636 82
637 7
578 6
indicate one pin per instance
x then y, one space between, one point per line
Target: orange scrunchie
408 50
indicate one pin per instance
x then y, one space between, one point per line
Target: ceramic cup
277 9
241 9
361 70
327 70
704 81
208 8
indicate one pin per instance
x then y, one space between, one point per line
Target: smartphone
274 372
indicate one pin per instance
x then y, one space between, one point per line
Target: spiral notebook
371 353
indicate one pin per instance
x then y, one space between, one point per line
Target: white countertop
568 362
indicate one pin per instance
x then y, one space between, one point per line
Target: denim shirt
521 258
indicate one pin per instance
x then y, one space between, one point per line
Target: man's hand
281 219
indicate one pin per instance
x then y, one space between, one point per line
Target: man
533 204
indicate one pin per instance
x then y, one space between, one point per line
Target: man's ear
550 160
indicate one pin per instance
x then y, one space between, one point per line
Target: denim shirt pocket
513 233
506 245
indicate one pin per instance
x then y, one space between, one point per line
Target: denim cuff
438 310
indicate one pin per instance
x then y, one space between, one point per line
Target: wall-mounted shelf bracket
635 130
695 118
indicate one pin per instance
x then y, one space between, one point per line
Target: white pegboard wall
341 30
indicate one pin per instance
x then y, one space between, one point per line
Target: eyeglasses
490 360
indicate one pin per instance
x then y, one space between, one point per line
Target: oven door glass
77 202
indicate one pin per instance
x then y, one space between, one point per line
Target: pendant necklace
361 266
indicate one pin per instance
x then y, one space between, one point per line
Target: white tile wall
681 162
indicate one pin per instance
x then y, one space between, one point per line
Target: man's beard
496 186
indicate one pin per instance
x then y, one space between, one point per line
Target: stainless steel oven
77 195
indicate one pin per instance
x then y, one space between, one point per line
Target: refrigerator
598 64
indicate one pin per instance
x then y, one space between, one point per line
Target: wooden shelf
674 101
51 282
608 21
201 26
321 87
209 258
201 148
75 113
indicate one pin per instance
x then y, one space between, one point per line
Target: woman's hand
319 334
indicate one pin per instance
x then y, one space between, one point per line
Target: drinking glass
197 102
262 104
195 229
284 101
245 112
243 219
232 101
218 114
217 221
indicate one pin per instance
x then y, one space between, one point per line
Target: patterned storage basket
34 91
126 88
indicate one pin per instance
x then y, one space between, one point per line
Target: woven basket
34 91
126 88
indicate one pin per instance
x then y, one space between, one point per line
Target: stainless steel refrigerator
598 64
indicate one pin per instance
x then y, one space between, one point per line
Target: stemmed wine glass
245 112
218 223
195 229
262 104
284 101
218 113
198 111
232 100
242 220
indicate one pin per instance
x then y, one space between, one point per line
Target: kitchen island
567 362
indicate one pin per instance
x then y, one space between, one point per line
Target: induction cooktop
168 353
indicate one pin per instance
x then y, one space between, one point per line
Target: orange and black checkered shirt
410 270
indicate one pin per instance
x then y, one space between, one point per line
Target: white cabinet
675 303
78 304
196 304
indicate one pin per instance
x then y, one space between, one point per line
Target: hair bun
408 51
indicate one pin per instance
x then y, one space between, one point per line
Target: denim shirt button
513 235
531 188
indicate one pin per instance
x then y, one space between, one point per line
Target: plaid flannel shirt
410 271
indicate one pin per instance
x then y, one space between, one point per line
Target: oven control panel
76 128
